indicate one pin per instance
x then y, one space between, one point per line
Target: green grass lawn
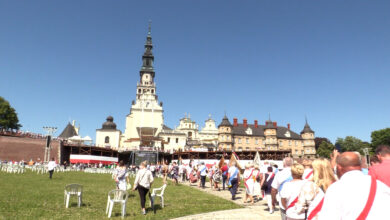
35 196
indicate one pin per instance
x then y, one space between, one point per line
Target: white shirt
202 170
290 192
279 178
346 198
181 169
263 169
51 165
144 178
232 170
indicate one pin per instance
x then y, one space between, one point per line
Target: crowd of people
344 187
340 188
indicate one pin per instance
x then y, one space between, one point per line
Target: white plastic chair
73 189
116 196
161 195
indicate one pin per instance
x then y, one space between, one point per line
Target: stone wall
25 148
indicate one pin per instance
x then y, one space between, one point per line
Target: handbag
128 186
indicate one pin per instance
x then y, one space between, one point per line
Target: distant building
252 137
145 126
172 140
209 133
189 127
69 131
108 135
188 137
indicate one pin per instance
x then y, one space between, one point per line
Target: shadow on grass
75 204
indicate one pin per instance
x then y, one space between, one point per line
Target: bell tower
146 88
146 119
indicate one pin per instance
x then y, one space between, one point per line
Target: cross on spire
150 27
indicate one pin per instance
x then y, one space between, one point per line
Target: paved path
255 211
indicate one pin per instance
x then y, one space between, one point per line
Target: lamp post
50 131
366 154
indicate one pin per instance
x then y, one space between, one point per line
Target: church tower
145 120
307 135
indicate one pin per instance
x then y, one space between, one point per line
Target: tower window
169 140
107 140
152 90
177 140
139 90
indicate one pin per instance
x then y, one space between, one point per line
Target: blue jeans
224 178
233 189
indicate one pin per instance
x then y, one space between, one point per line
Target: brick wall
24 148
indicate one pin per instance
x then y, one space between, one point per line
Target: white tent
87 138
75 138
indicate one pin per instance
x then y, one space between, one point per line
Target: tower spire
148 58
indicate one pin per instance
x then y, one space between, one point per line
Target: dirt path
255 211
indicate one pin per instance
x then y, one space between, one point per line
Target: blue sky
329 60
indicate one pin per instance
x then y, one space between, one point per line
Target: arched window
139 90
107 140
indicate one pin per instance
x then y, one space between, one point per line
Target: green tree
350 143
380 137
8 116
319 140
325 149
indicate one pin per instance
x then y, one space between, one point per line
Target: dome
109 124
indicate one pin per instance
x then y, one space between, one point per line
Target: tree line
325 147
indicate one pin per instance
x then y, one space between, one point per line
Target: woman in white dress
121 176
256 186
249 183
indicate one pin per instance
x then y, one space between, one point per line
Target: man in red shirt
224 170
381 171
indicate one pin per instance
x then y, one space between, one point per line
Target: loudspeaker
48 139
